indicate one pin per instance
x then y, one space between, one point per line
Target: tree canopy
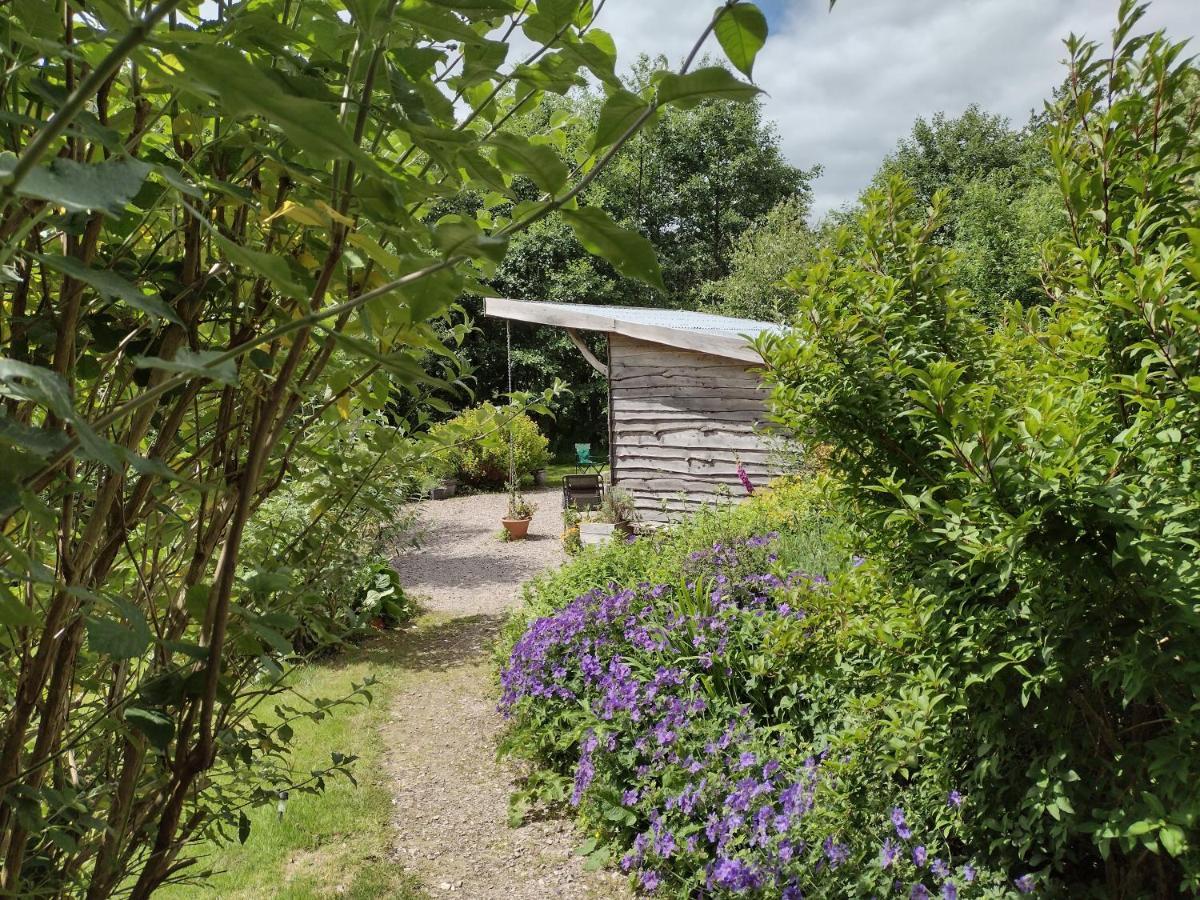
233 245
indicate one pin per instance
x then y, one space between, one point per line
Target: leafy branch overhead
231 262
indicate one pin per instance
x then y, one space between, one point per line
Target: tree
228 253
761 259
1001 203
692 185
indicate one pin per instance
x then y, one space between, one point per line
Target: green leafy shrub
730 721
479 442
226 240
1038 483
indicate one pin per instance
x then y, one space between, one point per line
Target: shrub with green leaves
228 236
734 710
480 440
1039 482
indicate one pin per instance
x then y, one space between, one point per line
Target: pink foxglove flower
744 478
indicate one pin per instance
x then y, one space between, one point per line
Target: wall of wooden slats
680 422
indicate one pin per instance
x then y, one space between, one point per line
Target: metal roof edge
560 316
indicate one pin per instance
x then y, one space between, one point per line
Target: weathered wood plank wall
680 420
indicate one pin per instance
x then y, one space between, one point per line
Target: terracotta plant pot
516 528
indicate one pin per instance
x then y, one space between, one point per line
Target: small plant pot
444 490
539 477
591 533
516 528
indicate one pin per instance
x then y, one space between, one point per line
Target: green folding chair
584 461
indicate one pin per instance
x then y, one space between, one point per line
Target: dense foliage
230 257
483 442
762 258
693 185
1037 481
999 200
728 707
1009 681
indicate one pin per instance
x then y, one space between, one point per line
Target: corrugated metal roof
702 332
680 319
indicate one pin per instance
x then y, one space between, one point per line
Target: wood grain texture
681 421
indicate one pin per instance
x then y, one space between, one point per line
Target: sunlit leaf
535 161
711 83
628 252
106 186
742 31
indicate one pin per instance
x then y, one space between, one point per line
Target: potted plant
519 515
614 515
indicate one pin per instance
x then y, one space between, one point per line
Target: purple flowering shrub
712 731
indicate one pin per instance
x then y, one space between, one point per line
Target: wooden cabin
685 404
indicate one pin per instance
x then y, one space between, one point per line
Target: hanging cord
512 449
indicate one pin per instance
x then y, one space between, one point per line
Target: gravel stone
451 795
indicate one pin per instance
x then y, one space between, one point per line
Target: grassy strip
335 844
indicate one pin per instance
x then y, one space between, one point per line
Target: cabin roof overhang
722 336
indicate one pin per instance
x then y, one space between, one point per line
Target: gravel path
451 800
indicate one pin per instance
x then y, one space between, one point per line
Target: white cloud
845 85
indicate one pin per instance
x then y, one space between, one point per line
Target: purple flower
968 873
650 880
629 797
835 853
1025 884
939 868
954 799
888 853
919 892
949 891
857 561
664 845
919 855
902 828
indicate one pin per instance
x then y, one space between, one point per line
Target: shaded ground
451 796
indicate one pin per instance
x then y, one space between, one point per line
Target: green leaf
620 111
156 726
112 286
598 61
274 268
438 24
538 162
116 639
192 362
245 90
105 187
243 827
741 31
477 8
1173 839
558 12
13 612
41 442
459 236
711 83
629 252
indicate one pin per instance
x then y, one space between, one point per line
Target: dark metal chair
583 491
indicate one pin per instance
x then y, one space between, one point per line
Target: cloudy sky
844 85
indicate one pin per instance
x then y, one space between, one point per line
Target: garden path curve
451 795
